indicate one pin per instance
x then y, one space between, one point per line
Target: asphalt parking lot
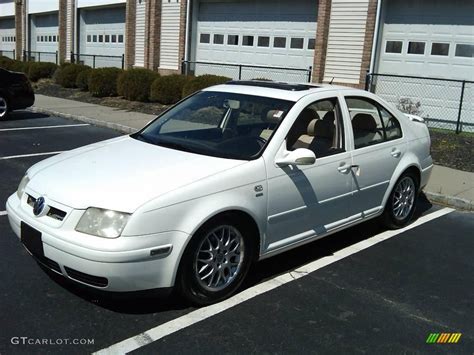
385 297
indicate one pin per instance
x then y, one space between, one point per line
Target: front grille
86 278
53 212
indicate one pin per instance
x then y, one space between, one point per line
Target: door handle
396 153
344 169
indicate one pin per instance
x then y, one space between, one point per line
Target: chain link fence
99 61
443 103
34 56
8 54
247 72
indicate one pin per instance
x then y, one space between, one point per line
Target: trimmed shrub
103 82
67 74
202 82
6 62
168 89
134 84
38 71
82 80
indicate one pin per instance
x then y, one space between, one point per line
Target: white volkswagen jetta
233 174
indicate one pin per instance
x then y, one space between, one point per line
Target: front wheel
3 108
215 262
401 203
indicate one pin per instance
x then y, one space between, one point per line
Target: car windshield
220 124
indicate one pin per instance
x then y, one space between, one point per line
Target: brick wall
324 15
19 29
369 39
62 21
130 17
182 29
153 34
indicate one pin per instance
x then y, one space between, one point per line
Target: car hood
120 174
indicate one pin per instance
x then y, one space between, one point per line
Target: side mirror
300 156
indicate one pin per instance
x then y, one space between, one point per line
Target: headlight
21 187
102 223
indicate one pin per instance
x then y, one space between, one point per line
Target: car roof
275 89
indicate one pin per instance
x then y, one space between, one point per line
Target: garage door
428 38
264 33
102 33
7 36
44 37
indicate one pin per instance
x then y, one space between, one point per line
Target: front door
307 201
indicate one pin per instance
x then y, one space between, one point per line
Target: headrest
274 116
364 122
329 116
321 128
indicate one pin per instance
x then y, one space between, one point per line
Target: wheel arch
242 217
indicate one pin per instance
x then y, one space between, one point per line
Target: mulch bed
448 149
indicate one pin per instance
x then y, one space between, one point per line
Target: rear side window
371 123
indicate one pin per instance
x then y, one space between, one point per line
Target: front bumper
123 264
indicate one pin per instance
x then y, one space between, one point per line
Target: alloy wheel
219 258
3 107
403 198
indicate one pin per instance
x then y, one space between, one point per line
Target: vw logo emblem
39 205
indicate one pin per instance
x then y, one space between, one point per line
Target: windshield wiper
174 145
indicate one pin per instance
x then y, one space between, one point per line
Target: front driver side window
318 128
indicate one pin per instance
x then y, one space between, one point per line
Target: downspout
373 55
186 35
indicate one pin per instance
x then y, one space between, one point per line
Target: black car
15 92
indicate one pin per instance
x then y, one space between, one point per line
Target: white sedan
233 174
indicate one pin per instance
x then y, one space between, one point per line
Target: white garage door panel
7 36
289 19
102 32
44 37
428 21
37 6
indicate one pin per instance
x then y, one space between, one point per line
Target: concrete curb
93 121
451 201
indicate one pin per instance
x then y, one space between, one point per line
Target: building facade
338 41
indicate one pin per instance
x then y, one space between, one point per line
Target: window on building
440 49
247 41
205 38
263 41
393 47
107 38
233 40
218 39
101 38
120 38
94 38
311 43
279 42
416 47
464 50
114 38
296 43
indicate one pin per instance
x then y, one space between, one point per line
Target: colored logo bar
443 338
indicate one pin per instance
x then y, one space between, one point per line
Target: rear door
378 147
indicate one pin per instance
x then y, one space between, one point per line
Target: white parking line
28 155
44 127
201 314
3 213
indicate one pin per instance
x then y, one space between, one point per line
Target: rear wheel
215 262
3 107
401 203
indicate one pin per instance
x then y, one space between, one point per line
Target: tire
214 263
4 108
401 203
